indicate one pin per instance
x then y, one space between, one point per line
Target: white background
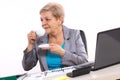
18 17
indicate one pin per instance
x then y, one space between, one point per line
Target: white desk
108 73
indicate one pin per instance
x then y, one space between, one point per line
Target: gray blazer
74 51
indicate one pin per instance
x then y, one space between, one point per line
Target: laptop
107 49
107 53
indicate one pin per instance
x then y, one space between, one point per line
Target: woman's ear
61 20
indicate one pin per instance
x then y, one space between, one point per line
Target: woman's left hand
55 48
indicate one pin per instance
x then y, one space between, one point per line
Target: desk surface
108 73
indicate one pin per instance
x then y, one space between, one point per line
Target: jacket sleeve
76 53
29 59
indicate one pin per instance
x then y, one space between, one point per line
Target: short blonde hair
56 9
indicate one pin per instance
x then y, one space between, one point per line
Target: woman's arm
76 53
29 59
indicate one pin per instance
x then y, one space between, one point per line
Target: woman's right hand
32 36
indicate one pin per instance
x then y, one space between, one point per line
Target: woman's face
49 22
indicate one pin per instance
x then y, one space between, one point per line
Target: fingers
32 34
32 37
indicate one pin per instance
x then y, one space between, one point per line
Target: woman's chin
47 32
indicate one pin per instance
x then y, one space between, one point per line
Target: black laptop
107 49
107 53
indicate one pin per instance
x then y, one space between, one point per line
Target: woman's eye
48 19
45 19
41 19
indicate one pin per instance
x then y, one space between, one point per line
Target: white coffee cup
40 32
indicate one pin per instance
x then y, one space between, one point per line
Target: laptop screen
107 48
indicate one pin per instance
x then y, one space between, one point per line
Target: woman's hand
32 36
55 48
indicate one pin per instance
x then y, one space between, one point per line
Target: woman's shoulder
71 30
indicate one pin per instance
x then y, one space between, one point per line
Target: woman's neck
58 32
57 37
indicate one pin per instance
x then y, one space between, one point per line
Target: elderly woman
65 48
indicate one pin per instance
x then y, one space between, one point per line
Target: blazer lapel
42 54
67 37
43 60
